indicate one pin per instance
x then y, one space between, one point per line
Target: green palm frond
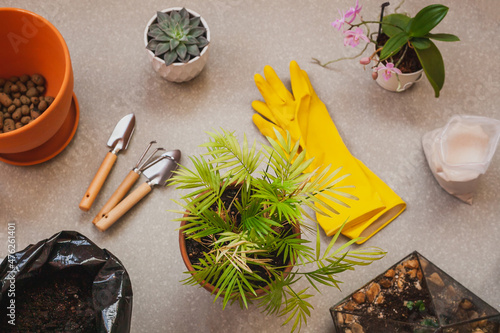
282 300
297 308
294 248
239 162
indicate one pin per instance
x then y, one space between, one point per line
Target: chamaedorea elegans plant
244 212
397 39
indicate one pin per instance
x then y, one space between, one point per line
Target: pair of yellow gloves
306 118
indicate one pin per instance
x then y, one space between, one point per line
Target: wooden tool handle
120 192
123 207
98 181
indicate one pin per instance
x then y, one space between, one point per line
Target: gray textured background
113 77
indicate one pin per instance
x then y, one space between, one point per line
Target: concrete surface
113 77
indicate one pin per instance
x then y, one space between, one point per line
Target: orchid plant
404 35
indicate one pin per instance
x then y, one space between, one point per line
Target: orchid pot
404 45
400 82
177 42
393 79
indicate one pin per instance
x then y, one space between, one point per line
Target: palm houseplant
243 218
403 45
177 41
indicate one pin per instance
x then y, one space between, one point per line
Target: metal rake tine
150 163
144 154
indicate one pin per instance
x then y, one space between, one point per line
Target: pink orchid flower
388 70
339 24
353 12
353 37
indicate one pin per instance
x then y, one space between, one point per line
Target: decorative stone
385 283
372 292
357 328
411 264
390 274
466 304
436 279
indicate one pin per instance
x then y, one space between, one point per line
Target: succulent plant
176 36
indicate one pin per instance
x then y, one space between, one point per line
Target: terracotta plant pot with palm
242 224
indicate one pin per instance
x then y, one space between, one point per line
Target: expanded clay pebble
42 106
32 92
22 87
8 125
25 110
17 114
5 100
6 87
38 79
21 101
25 120
25 100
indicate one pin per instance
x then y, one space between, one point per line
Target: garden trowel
157 174
129 181
118 140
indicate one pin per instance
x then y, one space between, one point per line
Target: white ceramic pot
399 82
179 72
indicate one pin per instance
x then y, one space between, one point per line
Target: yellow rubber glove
305 116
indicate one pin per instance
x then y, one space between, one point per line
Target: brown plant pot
209 287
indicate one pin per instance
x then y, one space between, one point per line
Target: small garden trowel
129 181
118 140
157 174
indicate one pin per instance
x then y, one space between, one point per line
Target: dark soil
394 308
56 302
196 250
410 63
382 305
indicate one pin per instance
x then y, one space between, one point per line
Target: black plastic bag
111 287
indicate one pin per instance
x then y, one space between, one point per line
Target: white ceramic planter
179 72
406 80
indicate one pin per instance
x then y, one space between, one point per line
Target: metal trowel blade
159 172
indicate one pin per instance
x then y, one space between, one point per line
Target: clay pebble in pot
45 137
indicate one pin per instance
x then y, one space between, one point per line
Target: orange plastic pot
30 44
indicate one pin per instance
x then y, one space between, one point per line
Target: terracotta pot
30 44
179 72
209 287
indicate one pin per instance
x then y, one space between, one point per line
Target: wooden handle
123 207
98 181
120 192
